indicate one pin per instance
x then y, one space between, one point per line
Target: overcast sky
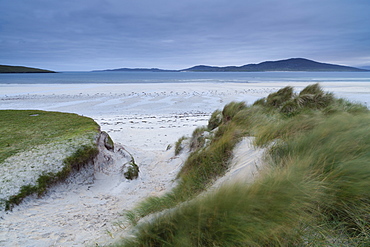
83 35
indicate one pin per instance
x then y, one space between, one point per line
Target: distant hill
137 70
292 64
21 69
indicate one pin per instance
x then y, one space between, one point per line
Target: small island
22 69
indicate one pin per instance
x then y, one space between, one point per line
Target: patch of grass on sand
314 190
178 145
24 130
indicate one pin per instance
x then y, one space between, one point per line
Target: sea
183 77
354 86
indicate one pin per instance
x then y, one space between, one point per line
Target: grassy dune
313 192
39 148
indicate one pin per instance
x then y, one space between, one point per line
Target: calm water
173 77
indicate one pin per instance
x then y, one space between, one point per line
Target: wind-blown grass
202 167
40 148
313 192
178 145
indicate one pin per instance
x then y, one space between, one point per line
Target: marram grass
314 190
202 167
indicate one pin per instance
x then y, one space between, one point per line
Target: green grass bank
39 148
313 191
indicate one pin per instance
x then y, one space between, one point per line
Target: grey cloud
178 33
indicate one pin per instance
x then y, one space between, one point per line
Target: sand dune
143 119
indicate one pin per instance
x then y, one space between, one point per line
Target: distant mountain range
292 64
22 69
137 70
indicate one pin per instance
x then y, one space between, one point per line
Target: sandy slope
246 162
87 206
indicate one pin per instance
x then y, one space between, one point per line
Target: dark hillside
21 69
292 64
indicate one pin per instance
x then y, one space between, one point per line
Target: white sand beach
144 119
